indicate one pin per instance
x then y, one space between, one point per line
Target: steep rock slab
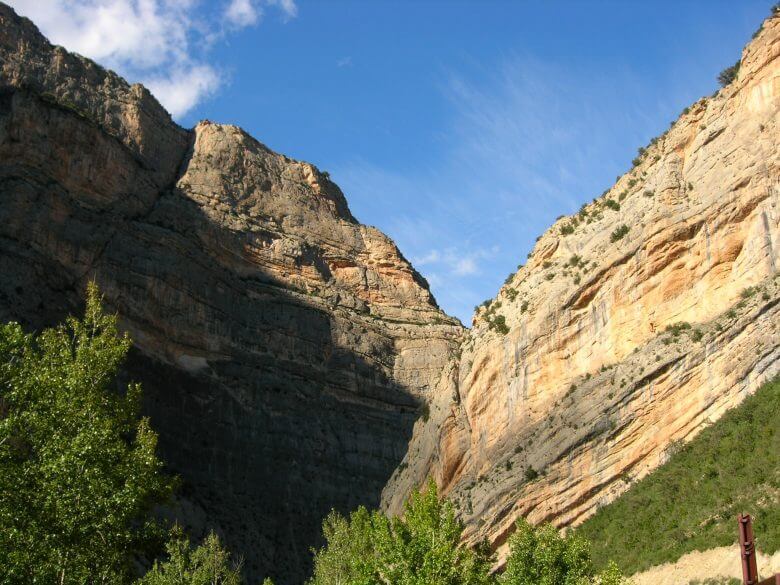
587 390
284 347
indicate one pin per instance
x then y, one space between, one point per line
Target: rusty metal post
747 548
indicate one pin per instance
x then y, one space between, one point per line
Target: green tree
349 557
541 556
208 564
729 74
421 548
79 472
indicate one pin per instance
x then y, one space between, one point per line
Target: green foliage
612 575
78 467
541 556
420 548
499 324
748 292
511 294
567 229
496 322
619 233
423 547
729 74
208 564
523 306
612 204
677 328
692 501
530 473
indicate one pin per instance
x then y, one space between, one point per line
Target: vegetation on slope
423 547
691 502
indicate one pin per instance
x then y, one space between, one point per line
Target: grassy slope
692 501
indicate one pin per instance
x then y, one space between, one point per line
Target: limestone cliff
633 324
284 348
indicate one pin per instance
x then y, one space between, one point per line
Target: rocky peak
284 348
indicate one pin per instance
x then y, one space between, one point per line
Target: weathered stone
284 348
587 388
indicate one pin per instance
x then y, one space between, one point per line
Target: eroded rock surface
588 389
284 347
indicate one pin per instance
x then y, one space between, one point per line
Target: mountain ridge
293 360
284 348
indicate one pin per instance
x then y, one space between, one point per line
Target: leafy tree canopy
79 472
424 547
208 564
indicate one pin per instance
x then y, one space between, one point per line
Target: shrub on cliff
619 233
729 74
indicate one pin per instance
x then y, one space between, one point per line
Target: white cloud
288 7
465 266
160 43
430 257
344 62
180 90
242 13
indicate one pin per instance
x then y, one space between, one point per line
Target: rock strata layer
288 352
284 348
633 325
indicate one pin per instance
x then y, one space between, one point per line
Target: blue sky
461 129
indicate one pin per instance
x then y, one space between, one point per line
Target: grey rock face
284 348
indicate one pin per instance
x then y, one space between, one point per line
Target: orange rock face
589 389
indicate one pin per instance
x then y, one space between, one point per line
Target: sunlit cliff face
587 388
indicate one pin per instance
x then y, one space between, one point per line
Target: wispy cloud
161 43
242 13
288 7
524 142
344 62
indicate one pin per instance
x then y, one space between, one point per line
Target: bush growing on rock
619 233
729 74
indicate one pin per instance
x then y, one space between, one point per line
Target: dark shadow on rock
268 419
